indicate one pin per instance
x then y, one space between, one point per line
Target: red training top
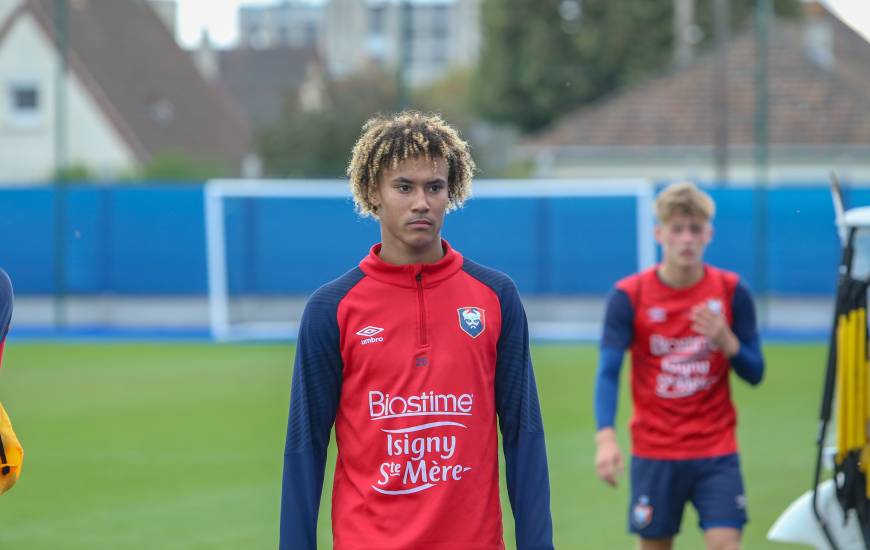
679 379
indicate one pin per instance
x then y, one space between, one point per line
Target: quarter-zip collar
406 275
683 289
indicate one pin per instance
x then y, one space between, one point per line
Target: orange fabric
10 468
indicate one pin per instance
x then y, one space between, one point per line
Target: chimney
684 31
818 35
206 58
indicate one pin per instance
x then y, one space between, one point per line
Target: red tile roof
809 103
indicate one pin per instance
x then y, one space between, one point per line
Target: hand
715 327
608 457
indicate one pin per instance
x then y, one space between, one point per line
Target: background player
687 323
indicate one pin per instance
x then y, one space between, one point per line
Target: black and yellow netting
853 380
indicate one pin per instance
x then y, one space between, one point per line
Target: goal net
271 243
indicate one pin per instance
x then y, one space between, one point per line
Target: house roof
262 79
809 103
148 87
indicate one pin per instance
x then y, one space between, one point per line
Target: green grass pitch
180 445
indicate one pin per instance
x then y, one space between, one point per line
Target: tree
528 66
543 58
742 12
176 166
621 41
318 143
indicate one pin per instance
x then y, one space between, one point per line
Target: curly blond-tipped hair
684 198
388 140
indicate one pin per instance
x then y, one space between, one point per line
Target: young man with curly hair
415 356
687 324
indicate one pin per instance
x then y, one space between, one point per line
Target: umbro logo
369 332
657 314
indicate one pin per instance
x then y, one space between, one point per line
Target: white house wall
27 146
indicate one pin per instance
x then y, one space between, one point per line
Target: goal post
215 194
224 308
640 188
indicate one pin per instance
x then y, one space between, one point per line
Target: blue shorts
661 488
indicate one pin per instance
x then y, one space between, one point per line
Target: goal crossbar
216 191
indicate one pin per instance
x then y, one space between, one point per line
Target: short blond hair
388 140
684 198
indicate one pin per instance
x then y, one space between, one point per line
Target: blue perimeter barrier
142 240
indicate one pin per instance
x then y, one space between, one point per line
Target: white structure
435 35
798 524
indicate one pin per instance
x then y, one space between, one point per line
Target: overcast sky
221 20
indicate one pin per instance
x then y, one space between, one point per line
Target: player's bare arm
608 459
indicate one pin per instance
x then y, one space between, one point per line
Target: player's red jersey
426 356
416 427
679 380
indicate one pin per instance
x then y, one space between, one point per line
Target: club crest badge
642 512
472 320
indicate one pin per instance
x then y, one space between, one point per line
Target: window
162 112
376 20
439 53
310 33
440 22
26 99
283 36
376 39
24 103
376 48
251 33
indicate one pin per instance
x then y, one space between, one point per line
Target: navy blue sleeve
616 336
6 299
5 309
618 329
749 362
519 414
607 387
313 404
